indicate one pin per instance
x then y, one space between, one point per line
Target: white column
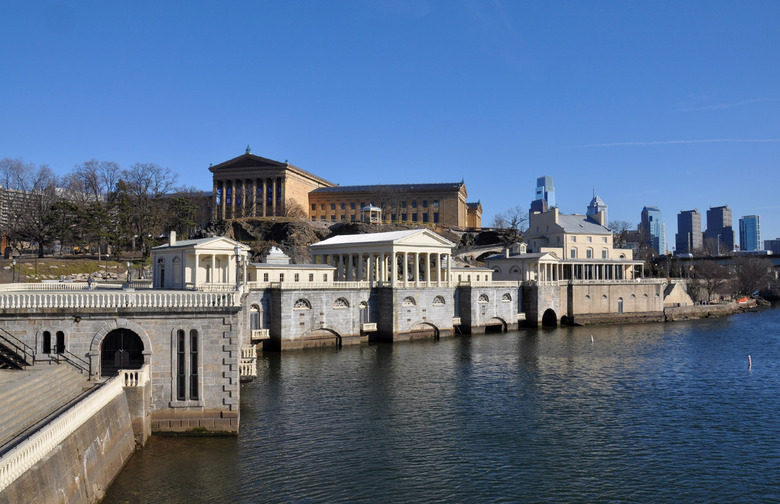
449 270
428 269
196 279
406 269
383 268
360 267
438 269
416 269
370 265
393 268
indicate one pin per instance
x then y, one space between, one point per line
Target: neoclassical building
253 186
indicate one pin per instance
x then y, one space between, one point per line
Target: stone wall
703 311
215 409
81 468
409 313
482 307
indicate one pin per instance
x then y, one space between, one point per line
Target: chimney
506 252
172 238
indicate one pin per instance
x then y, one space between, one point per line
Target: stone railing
118 299
28 453
310 285
44 286
260 334
490 283
135 377
456 321
247 366
632 281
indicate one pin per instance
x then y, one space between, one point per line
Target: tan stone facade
253 186
441 204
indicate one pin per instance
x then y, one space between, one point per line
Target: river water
662 413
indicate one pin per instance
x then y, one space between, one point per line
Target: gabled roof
250 160
411 236
447 186
214 242
580 224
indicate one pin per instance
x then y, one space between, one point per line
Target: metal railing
24 351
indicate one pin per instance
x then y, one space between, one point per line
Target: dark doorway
121 349
549 319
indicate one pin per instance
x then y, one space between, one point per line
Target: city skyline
659 104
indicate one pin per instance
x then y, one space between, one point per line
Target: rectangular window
573 253
414 203
436 217
352 205
314 206
343 206
281 277
333 218
265 277
322 218
332 206
181 384
314 218
435 203
604 254
403 217
574 238
352 218
589 254
311 277
414 217
297 277
425 217
604 239
425 203
322 206
362 204
343 217
325 277
393 217
589 239
194 392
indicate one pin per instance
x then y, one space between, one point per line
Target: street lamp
128 272
13 271
237 250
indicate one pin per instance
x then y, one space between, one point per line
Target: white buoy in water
591 339
750 362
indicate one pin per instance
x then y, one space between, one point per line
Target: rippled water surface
647 413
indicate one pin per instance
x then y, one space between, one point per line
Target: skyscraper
688 237
750 233
653 229
545 195
720 233
597 205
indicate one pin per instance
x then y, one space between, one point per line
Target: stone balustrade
368 327
135 377
118 299
310 285
247 365
28 453
260 335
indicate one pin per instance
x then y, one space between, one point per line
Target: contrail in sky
673 142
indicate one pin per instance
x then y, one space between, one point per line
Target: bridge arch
323 337
113 336
424 330
549 318
496 324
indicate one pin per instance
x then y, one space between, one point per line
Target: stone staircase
33 395
10 357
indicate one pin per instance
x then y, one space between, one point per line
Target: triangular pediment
216 243
424 238
247 161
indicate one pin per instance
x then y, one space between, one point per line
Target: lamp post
128 272
13 271
237 250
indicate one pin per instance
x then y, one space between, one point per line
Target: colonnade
249 197
421 269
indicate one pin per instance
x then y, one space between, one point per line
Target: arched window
483 298
254 318
514 269
603 297
496 269
340 303
604 253
587 297
438 301
302 304
409 301
46 342
506 298
633 296
59 346
589 253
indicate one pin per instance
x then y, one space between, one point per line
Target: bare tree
138 199
294 209
711 277
752 273
13 172
96 178
34 214
513 218
620 230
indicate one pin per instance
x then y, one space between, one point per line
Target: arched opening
322 337
46 342
549 318
424 330
620 305
161 273
59 346
120 349
495 325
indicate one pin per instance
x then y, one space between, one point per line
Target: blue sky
674 104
